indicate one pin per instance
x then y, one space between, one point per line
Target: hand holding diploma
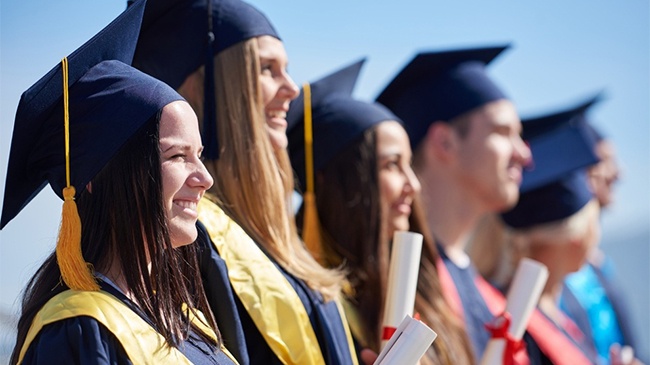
409 342
508 328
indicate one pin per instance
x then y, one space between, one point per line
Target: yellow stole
269 298
142 343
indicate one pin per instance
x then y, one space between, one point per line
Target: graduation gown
474 310
282 320
593 301
571 331
477 303
104 327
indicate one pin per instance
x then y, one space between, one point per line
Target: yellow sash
268 297
143 344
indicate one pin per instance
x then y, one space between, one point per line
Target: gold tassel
76 273
311 226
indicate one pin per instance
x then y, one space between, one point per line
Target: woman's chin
278 139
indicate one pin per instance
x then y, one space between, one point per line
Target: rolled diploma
522 298
407 345
402 281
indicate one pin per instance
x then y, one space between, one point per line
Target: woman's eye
391 164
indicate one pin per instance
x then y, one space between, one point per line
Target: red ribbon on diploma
387 333
498 328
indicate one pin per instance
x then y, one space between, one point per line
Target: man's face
491 156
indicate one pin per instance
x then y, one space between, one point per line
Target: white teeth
277 114
186 204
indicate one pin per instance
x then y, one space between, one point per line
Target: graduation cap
337 119
438 86
179 36
565 136
71 122
322 121
556 185
595 133
552 202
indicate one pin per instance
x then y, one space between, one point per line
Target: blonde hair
254 182
496 249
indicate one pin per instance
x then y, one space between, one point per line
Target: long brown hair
347 197
254 182
124 222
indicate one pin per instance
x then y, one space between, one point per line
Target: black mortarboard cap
551 202
175 34
555 186
439 86
560 142
322 121
179 36
107 105
108 102
337 118
595 133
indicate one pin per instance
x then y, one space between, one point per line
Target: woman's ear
89 187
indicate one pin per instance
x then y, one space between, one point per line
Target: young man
469 157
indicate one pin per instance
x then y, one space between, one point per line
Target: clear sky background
562 52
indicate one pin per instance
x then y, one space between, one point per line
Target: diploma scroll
402 281
408 343
526 287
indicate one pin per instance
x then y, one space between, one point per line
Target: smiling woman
185 179
398 184
131 234
238 85
277 88
359 189
124 268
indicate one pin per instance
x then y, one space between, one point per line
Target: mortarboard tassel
311 224
76 273
209 135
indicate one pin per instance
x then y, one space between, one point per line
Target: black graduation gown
324 317
477 314
83 340
475 310
221 297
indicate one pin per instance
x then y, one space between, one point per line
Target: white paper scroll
402 281
410 341
525 289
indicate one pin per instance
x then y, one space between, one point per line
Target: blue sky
562 52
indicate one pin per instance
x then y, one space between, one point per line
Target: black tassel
209 136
